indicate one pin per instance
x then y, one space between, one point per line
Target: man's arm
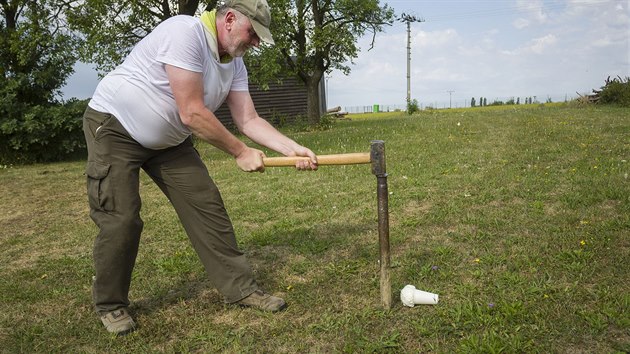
187 88
260 131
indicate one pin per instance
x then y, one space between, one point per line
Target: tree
36 57
412 107
112 28
472 102
313 37
36 51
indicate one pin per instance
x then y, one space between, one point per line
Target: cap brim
263 32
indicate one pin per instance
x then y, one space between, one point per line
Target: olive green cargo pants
114 162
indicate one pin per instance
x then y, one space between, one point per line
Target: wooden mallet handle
338 159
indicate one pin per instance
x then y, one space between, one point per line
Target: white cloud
470 51
604 24
520 23
435 39
536 46
375 67
602 42
614 12
620 16
535 9
440 74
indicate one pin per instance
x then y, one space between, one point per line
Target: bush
42 133
616 91
279 119
412 106
326 122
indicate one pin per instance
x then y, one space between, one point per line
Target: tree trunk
10 12
188 7
312 105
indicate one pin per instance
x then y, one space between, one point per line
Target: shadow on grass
191 288
294 252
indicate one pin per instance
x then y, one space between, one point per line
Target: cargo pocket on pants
99 185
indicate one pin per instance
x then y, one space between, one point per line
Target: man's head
258 13
242 24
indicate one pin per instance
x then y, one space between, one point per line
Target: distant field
517 216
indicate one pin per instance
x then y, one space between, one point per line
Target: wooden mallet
376 157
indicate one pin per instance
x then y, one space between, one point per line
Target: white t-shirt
138 92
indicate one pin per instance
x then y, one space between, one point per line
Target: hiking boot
118 322
258 299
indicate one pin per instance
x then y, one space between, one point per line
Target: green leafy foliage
412 106
112 28
313 37
36 57
42 133
616 91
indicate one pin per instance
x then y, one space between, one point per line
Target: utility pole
450 101
408 19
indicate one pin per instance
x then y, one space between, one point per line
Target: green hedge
43 133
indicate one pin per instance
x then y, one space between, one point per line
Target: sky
497 49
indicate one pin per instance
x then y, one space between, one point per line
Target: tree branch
159 4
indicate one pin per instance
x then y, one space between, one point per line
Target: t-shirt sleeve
240 82
179 45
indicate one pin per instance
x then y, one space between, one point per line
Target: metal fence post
377 157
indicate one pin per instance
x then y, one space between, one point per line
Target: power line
502 11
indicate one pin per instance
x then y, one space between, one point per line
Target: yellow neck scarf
209 20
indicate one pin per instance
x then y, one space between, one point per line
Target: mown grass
519 218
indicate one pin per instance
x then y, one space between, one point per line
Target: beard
238 50
235 46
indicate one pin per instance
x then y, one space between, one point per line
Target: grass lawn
518 217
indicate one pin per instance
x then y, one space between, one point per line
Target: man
142 115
